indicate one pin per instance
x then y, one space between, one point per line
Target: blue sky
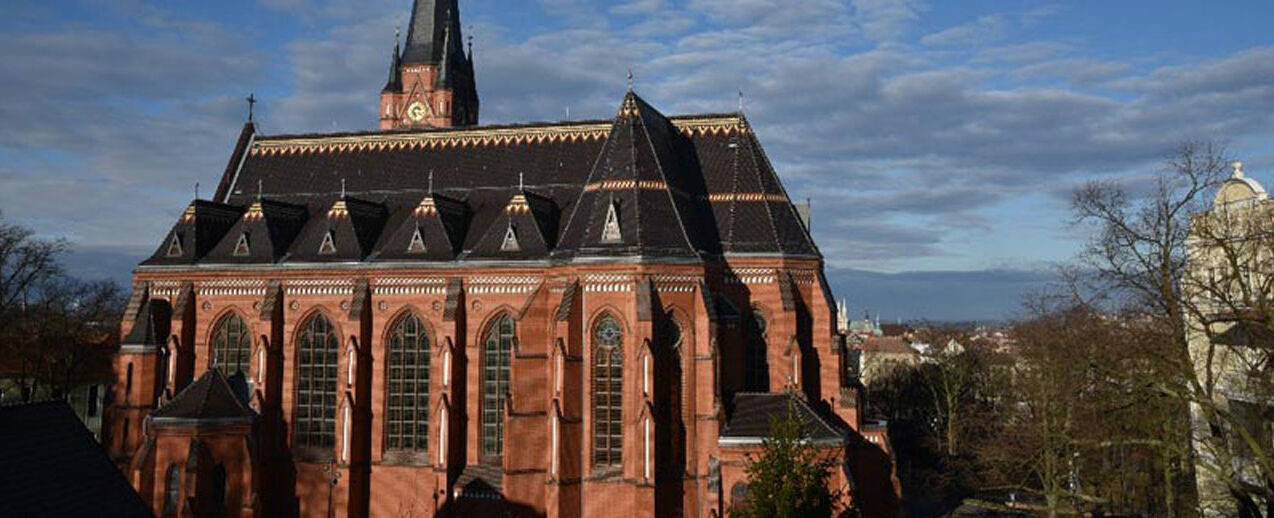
938 140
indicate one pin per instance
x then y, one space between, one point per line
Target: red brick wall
711 364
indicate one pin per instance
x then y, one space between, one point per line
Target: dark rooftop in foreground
53 467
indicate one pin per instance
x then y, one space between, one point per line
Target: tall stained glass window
231 345
317 353
608 392
496 351
407 412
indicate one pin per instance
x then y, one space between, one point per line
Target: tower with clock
431 81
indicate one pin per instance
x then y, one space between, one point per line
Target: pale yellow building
1228 281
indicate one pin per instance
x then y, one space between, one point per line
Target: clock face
417 111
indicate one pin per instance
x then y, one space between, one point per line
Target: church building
581 318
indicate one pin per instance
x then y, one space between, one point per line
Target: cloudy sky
937 140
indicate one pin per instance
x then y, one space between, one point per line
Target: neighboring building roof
894 329
210 398
53 467
886 345
703 184
754 413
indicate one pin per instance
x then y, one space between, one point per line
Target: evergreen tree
789 478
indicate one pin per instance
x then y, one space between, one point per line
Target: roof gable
210 398
196 232
634 185
526 229
267 228
434 230
754 414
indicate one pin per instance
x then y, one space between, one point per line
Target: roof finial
470 42
196 190
740 100
630 80
398 30
1238 169
252 101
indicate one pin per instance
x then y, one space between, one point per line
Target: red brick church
585 318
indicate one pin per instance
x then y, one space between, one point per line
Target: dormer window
610 232
241 247
328 246
417 245
510 243
174 246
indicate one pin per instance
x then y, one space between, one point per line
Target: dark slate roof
531 219
754 412
640 177
685 188
269 228
211 397
53 467
200 227
441 224
353 226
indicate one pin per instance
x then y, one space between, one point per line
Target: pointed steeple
426 35
432 83
395 81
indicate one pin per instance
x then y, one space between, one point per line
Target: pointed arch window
756 360
417 245
172 490
496 350
241 247
328 246
670 430
231 345
610 231
608 392
317 352
407 412
174 246
510 243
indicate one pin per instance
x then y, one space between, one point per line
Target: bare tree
1197 282
52 326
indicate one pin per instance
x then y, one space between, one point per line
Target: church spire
395 82
426 35
431 83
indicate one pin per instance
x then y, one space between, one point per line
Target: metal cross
252 101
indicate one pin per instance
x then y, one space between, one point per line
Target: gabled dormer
346 232
433 230
198 230
526 227
261 236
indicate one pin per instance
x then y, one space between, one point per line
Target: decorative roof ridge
481 135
